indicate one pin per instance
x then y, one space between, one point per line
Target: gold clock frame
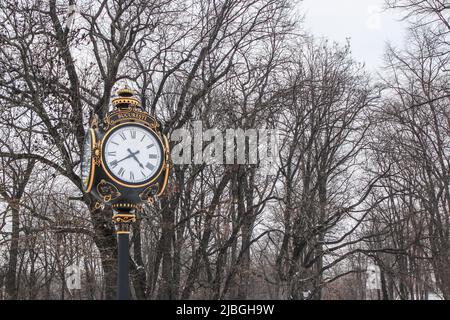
166 167
163 154
92 169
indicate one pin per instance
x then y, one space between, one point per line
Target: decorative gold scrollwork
97 205
94 122
123 222
154 124
96 155
149 192
124 218
108 191
106 122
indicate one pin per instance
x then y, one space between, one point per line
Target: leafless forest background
364 159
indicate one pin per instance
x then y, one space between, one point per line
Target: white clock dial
133 154
86 160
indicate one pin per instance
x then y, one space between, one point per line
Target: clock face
86 160
132 154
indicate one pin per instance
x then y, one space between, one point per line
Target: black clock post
125 164
123 220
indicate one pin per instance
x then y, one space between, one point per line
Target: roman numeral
114 143
150 166
152 156
150 145
143 174
133 134
112 153
131 176
122 135
114 164
121 172
143 136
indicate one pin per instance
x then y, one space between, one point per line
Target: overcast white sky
365 22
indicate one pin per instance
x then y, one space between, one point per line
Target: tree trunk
137 269
245 210
11 280
165 290
105 240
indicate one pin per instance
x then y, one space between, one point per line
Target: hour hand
135 158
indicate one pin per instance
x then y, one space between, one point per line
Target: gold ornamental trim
124 91
154 124
93 161
148 195
106 122
97 205
106 170
123 218
96 154
126 205
167 167
129 114
111 193
129 100
94 122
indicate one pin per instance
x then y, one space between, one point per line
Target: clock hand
129 156
135 158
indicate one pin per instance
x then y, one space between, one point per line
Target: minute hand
128 156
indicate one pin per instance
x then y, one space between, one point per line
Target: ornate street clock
125 159
125 162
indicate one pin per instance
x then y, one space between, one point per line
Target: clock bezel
111 175
92 167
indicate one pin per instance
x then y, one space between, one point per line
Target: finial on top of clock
126 98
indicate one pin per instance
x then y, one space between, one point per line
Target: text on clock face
132 154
